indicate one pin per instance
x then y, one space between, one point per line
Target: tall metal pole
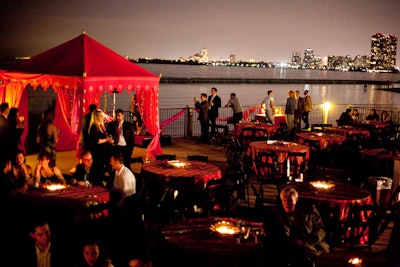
115 92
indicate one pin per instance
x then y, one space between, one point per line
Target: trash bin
383 187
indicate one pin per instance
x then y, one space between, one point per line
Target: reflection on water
181 95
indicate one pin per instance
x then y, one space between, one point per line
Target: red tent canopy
79 71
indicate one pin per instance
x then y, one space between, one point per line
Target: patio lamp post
114 93
325 111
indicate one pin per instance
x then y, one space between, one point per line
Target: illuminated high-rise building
232 58
383 51
296 58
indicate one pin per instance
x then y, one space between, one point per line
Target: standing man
85 143
236 108
203 116
214 103
298 110
307 108
5 133
269 106
289 110
124 138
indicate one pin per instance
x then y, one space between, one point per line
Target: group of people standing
297 108
105 139
208 112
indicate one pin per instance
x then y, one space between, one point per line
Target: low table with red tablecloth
271 129
325 140
143 140
76 203
341 196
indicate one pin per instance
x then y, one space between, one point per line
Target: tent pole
115 92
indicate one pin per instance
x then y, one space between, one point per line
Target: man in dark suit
203 116
5 133
214 103
42 249
124 138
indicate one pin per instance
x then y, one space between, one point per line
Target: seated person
46 172
21 170
123 189
345 118
356 116
296 230
385 117
372 115
82 176
84 173
9 184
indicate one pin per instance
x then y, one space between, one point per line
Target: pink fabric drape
147 99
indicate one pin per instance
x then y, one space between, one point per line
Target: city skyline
262 30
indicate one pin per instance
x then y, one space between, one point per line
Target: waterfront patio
181 147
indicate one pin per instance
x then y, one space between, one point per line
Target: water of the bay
179 95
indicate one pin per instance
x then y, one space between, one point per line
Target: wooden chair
140 182
362 220
246 137
166 156
216 198
202 158
316 163
260 134
298 164
179 197
268 172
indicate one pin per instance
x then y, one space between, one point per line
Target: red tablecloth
76 199
379 153
271 129
201 171
348 130
278 147
194 240
343 196
279 119
281 149
325 140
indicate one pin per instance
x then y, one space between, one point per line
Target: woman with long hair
22 171
47 135
46 172
99 141
16 127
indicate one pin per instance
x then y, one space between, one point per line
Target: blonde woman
100 142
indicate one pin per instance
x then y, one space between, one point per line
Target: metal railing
188 125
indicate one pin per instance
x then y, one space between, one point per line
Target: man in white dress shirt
123 189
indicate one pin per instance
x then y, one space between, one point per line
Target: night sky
264 30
